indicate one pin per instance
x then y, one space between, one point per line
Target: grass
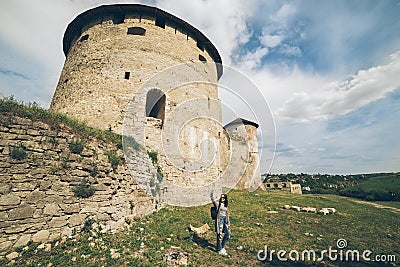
381 183
385 187
253 226
11 107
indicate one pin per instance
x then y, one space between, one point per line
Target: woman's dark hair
226 199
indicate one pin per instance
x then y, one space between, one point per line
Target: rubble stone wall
37 201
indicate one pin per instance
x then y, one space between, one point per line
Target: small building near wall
286 186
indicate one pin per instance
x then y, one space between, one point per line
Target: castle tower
111 50
113 53
244 133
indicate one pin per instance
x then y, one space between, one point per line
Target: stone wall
37 202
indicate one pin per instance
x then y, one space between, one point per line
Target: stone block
41 125
5 245
76 219
24 186
58 222
45 184
3 216
12 256
35 197
22 241
70 209
51 209
4 188
33 132
9 200
21 212
41 236
16 228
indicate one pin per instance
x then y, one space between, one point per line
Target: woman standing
222 225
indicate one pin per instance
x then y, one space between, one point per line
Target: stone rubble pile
323 211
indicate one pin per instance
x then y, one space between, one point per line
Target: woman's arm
227 220
213 200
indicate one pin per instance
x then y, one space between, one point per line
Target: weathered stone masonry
111 51
37 202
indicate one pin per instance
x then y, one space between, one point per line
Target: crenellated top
118 13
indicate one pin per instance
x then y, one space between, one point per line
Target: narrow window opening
137 31
155 104
160 22
84 38
202 59
127 74
119 19
200 45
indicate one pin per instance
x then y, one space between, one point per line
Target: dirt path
376 205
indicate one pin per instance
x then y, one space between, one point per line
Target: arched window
155 104
202 58
84 38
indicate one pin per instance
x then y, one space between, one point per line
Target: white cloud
284 13
223 21
269 40
252 59
339 98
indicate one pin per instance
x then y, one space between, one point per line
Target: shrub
87 227
76 146
54 169
94 171
84 189
153 156
18 152
114 159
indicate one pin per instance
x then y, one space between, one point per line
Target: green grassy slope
254 225
381 183
385 187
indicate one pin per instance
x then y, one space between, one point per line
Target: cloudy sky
329 70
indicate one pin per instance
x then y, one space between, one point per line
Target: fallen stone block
296 208
199 230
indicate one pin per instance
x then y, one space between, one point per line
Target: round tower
244 133
112 50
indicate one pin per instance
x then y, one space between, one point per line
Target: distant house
306 188
287 186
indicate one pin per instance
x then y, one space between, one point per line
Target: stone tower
111 50
244 132
112 53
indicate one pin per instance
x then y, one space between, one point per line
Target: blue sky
328 70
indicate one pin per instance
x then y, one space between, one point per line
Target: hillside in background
374 186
